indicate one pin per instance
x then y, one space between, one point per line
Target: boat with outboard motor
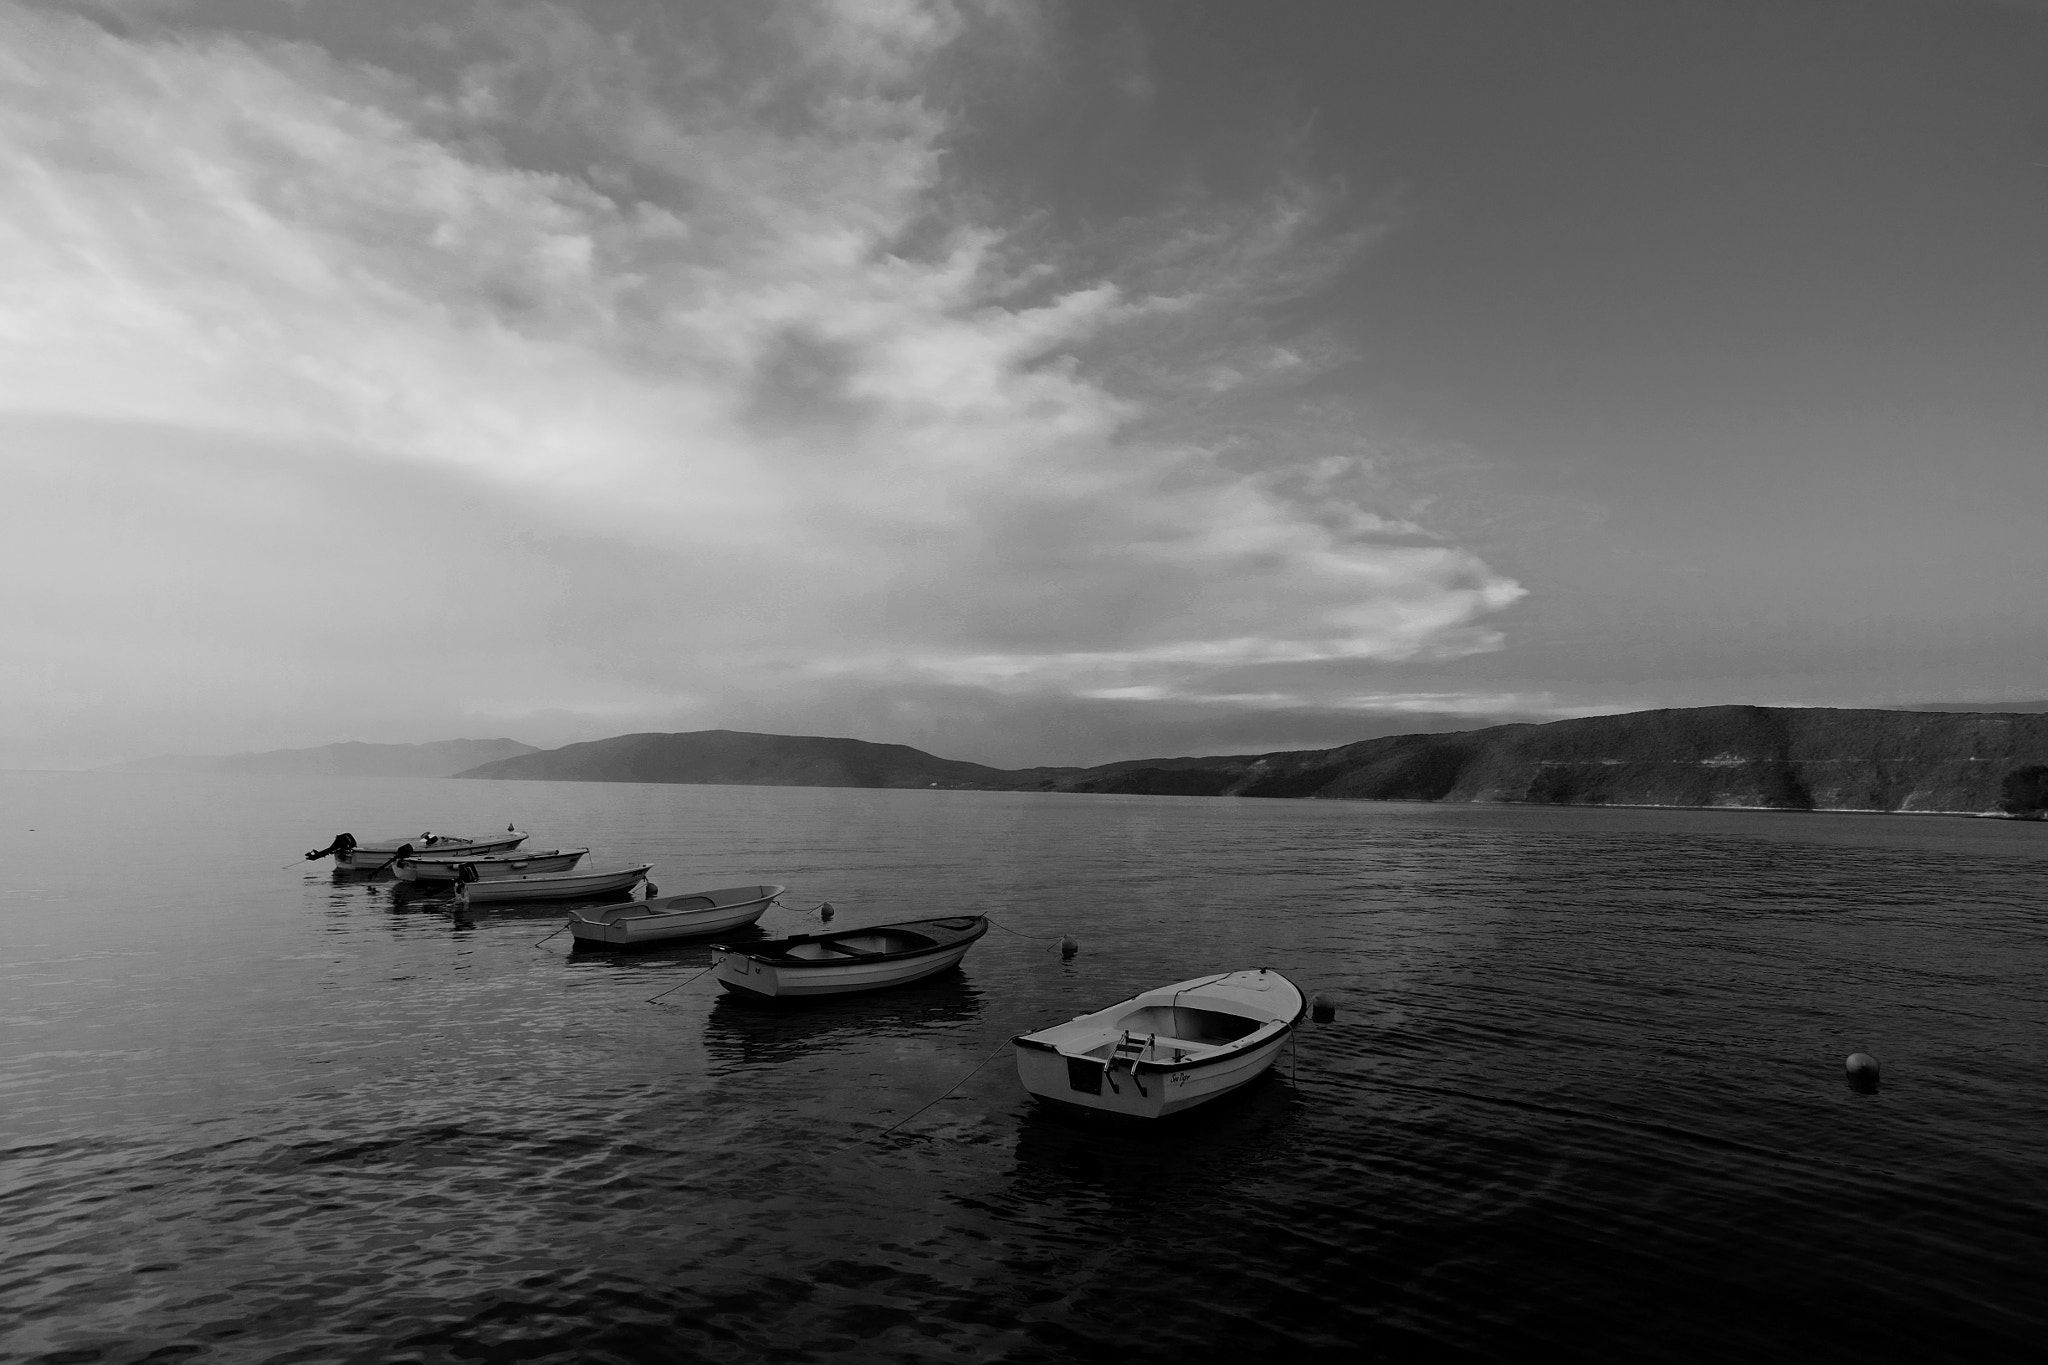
846 960
353 855
1163 1051
665 919
448 868
548 886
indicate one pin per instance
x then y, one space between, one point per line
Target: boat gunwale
457 859
620 913
774 957
445 843
529 878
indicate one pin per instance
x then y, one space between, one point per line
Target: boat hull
366 857
671 918
1164 1052
488 868
553 886
764 975
1148 1095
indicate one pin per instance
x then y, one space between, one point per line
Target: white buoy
1322 1009
1862 1072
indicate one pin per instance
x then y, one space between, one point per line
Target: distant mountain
1745 756
442 758
1780 758
738 758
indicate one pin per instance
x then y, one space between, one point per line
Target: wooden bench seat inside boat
1151 1048
1187 1026
816 952
892 941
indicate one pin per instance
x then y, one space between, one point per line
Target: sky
1033 383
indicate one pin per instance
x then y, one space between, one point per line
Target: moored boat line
1160 1053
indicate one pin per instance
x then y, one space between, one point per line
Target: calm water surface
1584 1090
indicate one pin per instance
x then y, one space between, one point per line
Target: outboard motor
404 852
342 845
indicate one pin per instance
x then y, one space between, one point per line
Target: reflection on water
740 1033
1583 1096
1196 1154
440 898
674 950
363 876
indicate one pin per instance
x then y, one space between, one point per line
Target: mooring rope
679 985
1054 942
929 1103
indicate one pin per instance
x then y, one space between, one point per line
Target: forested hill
1776 757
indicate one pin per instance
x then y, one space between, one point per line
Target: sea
1583 1095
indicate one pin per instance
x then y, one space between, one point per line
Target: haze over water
1584 1090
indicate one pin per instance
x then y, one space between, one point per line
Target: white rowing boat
665 919
1163 1051
446 868
846 960
552 886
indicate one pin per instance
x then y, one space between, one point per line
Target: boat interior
1210 1028
855 946
1161 1033
612 914
516 856
677 905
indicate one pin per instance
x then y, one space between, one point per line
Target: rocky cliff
1775 757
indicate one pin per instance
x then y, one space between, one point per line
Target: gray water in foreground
1584 1092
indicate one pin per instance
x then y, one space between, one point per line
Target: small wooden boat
1164 1051
379 853
551 886
665 919
448 868
846 960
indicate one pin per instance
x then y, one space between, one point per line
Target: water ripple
1583 1095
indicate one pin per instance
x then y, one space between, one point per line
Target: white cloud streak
689 341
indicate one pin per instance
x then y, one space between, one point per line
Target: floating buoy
1068 946
1321 1009
825 910
1862 1072
652 890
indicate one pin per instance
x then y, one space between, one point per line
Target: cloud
684 344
